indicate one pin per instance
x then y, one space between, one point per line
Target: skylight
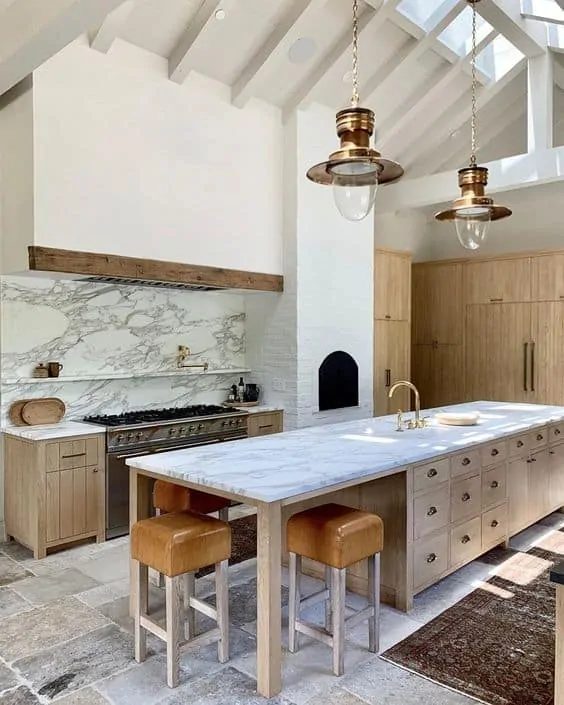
544 10
419 11
499 57
458 35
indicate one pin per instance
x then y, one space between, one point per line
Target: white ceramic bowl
458 418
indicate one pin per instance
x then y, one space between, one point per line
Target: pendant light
473 211
355 169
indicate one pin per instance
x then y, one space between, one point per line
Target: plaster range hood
134 271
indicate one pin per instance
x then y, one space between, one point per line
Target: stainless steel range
146 432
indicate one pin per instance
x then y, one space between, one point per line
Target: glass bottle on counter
241 390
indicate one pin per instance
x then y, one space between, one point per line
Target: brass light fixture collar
355 127
472 181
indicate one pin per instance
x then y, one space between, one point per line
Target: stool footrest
205 639
203 607
359 617
314 632
314 599
151 626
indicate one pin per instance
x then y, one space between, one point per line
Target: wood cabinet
546 371
437 372
265 423
392 285
547 277
497 281
54 491
436 304
391 363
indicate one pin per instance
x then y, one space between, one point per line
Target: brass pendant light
355 170
473 211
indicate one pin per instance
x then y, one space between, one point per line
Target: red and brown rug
497 644
243 542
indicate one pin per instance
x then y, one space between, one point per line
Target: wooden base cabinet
54 492
391 363
265 422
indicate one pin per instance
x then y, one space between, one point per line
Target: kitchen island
446 494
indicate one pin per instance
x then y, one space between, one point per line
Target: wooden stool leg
328 615
222 604
141 607
374 597
160 580
339 576
223 514
173 592
294 571
190 612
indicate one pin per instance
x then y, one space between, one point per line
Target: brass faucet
184 352
418 422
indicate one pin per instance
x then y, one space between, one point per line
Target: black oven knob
172 432
119 437
224 423
129 436
192 428
200 426
139 435
181 431
232 422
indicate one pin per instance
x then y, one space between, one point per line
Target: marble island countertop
50 432
285 465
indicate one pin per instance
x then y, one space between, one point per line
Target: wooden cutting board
15 412
43 411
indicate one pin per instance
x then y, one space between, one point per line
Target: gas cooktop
155 415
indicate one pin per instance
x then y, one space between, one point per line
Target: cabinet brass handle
387 316
533 366
539 437
432 472
551 452
494 484
465 539
556 431
525 355
388 382
465 497
74 455
431 511
494 523
270 425
496 300
94 469
533 460
519 444
495 452
466 461
431 558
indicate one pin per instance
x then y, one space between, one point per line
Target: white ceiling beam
104 36
179 61
540 111
530 13
32 31
528 36
279 41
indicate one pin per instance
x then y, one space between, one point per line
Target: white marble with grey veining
280 466
260 409
53 431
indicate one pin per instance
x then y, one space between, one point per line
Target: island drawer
430 511
538 438
465 498
263 424
428 476
556 432
67 455
518 445
466 462
493 453
494 485
494 526
465 541
430 559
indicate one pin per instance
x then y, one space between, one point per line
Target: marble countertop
260 409
50 432
284 465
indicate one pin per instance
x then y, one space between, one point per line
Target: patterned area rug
243 542
497 644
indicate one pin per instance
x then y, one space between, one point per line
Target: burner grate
156 415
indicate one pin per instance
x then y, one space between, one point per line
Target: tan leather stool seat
179 543
169 497
335 535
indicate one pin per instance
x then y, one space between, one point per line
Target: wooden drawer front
465 541
428 476
465 462
494 486
430 512
556 433
264 424
494 526
465 496
78 454
430 559
518 445
538 439
494 453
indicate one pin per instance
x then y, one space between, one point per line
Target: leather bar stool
176 545
337 537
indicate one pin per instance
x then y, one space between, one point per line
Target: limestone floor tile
46 588
394 627
104 593
336 696
474 573
107 566
146 682
44 627
554 521
19 696
79 662
8 679
10 571
439 597
86 696
528 538
228 687
239 574
12 603
378 681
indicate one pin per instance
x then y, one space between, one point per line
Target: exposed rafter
540 92
528 36
104 36
280 39
179 60
33 31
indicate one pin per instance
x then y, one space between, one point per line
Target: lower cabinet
265 422
72 502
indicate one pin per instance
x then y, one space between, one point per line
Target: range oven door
117 483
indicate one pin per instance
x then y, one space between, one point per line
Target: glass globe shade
353 196
472 226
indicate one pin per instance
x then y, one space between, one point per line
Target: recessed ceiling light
219 14
347 78
302 50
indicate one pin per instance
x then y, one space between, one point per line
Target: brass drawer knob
494 485
539 436
432 472
556 431
465 497
466 461
431 511
431 558
494 523
495 452
465 539
519 444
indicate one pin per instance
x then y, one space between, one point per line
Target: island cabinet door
518 492
539 484
556 464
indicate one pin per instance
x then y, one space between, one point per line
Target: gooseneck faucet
418 422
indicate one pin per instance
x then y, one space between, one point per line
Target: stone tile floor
66 637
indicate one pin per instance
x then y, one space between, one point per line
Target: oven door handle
152 451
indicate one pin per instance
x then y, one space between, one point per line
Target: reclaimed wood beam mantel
94 264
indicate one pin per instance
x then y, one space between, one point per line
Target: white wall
128 162
407 231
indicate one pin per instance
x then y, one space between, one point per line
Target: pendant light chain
355 97
474 109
